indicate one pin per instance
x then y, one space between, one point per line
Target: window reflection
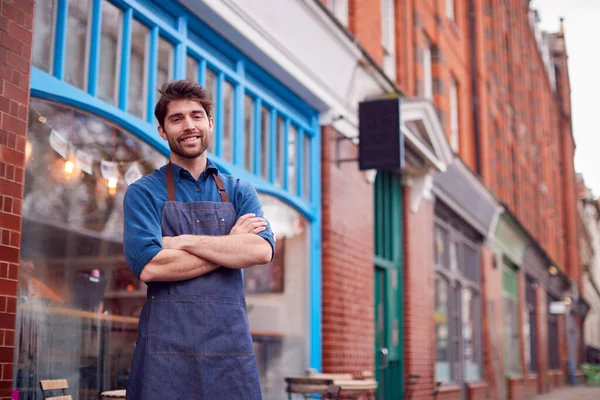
211 86
78 302
265 139
191 69
306 167
442 331
292 163
43 34
228 121
249 133
279 151
110 53
165 62
277 299
77 50
138 69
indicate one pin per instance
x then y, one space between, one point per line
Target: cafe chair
53 386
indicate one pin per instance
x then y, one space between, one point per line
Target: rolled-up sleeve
251 204
142 235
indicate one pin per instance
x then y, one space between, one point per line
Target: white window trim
388 37
450 9
454 118
339 8
427 70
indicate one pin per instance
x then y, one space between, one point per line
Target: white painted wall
589 217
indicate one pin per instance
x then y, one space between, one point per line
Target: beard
181 150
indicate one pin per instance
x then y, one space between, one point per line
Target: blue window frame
278 152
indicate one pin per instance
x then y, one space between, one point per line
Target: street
572 393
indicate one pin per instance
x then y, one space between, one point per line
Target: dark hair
181 90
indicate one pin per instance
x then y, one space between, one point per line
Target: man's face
187 128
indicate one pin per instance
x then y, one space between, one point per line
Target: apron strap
221 188
170 182
171 185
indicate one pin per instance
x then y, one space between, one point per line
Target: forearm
232 251
175 265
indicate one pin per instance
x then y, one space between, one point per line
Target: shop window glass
138 69
191 69
249 133
265 139
279 152
306 167
211 86
512 355
165 62
292 157
77 46
469 313
277 296
110 53
441 239
228 121
78 303
43 34
442 331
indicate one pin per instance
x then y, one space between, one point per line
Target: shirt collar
211 168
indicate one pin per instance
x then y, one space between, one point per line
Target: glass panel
43 34
453 255
78 39
279 152
511 337
292 156
211 86
441 239
191 69
228 120
249 133
441 318
78 303
265 138
470 333
138 74
110 51
306 167
165 62
277 296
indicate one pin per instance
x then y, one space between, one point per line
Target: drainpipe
473 47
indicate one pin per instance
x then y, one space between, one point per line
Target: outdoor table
330 385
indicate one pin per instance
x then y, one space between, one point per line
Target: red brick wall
542 339
419 296
348 269
478 391
516 389
530 386
364 21
16 22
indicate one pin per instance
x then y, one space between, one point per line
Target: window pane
470 334
249 133
43 34
211 86
265 138
78 302
279 152
441 256
228 121
77 47
277 295
306 166
292 164
165 62
442 332
110 53
138 74
191 69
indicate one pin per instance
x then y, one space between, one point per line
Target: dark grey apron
193 340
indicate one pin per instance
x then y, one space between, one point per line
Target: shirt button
197 221
197 189
222 219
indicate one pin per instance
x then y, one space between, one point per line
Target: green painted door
388 286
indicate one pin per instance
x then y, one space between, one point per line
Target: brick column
348 267
16 24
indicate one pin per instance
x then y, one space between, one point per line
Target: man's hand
249 223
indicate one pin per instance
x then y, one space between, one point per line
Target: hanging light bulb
69 167
112 186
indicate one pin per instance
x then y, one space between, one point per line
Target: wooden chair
55 385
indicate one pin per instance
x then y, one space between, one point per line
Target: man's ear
211 123
162 133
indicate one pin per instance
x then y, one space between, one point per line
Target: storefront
465 215
91 133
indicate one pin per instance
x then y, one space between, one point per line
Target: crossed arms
190 256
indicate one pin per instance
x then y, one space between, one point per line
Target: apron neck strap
171 185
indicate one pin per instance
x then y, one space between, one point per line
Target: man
189 230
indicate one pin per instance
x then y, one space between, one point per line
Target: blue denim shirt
145 198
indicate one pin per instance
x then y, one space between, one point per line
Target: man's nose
188 123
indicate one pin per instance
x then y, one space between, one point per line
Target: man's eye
198 116
175 120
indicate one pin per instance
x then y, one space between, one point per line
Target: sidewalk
572 393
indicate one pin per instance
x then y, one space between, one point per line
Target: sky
582 33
